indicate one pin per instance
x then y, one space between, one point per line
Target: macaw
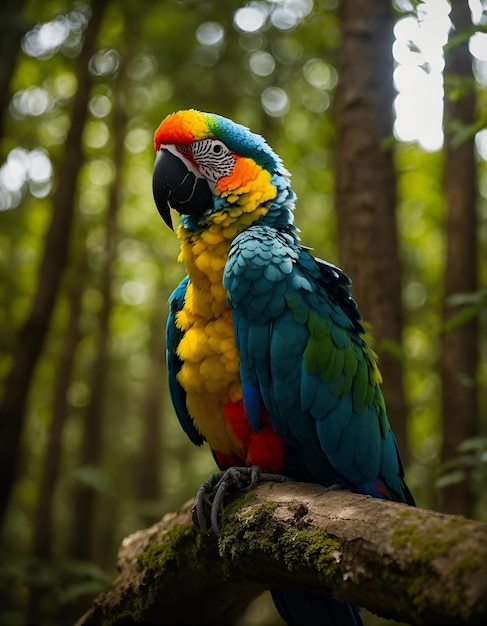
266 353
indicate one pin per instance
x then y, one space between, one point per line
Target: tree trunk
459 346
43 516
81 542
12 27
34 330
400 562
366 187
50 471
148 477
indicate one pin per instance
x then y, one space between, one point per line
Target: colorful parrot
265 349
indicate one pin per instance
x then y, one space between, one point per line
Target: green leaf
464 132
90 476
473 444
74 592
474 297
459 319
452 478
474 302
413 47
463 36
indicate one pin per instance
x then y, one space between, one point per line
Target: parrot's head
216 172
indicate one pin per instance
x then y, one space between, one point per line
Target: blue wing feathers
299 335
330 431
253 404
316 398
173 337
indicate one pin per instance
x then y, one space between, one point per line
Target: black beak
176 187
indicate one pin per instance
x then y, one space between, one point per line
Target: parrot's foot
210 496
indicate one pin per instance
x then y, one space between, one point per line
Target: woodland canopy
90 448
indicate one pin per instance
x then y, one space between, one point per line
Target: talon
202 504
211 494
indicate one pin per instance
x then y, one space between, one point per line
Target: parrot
265 346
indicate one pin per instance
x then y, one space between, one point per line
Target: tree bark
148 478
459 346
42 532
34 329
365 194
84 505
44 527
400 562
12 27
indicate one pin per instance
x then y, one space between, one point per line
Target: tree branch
400 562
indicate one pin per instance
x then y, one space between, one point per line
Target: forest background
90 449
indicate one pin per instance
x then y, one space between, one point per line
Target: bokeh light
275 101
418 51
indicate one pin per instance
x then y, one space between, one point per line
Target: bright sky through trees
417 49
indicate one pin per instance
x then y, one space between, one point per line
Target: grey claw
206 508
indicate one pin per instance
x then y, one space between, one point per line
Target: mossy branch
400 562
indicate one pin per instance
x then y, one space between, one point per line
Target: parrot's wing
173 337
302 355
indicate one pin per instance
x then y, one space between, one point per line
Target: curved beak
177 185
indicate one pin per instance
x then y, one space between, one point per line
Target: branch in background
400 562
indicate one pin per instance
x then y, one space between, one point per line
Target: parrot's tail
304 608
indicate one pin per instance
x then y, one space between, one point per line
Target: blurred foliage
269 65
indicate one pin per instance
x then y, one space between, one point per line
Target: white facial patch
214 159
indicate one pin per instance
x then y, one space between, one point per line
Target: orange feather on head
182 127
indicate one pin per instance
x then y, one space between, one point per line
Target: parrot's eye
213 158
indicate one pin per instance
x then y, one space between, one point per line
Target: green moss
469 562
162 556
242 529
234 506
430 544
134 612
317 549
249 532
159 565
